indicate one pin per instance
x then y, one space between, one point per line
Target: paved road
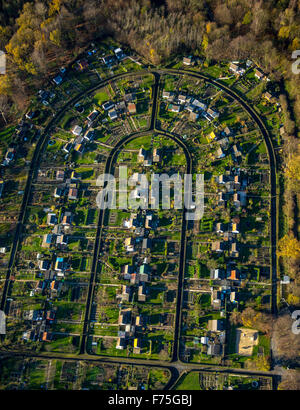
34 165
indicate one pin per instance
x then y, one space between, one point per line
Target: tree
260 20
235 318
5 33
284 32
247 18
39 57
223 14
293 299
205 42
5 85
54 7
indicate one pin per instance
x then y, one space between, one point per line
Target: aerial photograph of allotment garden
140 297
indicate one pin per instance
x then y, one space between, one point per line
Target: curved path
176 366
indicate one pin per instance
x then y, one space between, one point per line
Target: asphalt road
176 370
108 170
